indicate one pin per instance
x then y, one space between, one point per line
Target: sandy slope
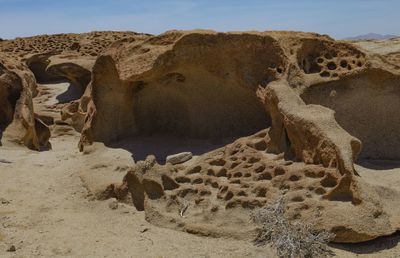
46 211
49 214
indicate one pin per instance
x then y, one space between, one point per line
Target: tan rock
208 84
317 104
18 122
46 58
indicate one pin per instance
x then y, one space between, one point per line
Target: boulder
312 90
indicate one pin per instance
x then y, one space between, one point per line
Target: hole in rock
343 63
328 56
310 66
329 181
67 81
313 53
325 74
42 76
331 66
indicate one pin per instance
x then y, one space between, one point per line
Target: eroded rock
17 119
43 59
317 105
307 155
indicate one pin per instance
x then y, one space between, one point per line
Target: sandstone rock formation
302 107
326 103
43 59
17 119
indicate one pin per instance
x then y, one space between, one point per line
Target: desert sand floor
46 211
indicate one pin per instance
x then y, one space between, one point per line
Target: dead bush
291 240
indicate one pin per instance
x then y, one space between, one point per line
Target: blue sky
338 18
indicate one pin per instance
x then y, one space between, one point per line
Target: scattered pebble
4 201
144 230
113 204
5 161
12 249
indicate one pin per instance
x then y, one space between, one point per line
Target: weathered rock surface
309 89
318 106
43 59
17 119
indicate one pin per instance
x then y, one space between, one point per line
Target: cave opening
65 89
208 111
189 113
39 67
202 94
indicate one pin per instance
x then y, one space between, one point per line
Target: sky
337 18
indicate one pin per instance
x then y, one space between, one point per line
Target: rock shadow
376 164
371 247
72 93
163 145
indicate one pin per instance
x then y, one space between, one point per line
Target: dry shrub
291 240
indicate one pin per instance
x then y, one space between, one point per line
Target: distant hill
371 36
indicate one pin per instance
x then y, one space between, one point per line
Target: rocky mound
86 44
326 104
17 120
44 59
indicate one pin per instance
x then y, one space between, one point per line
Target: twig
183 209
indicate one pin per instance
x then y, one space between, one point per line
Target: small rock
144 230
5 161
179 158
12 249
113 204
4 201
